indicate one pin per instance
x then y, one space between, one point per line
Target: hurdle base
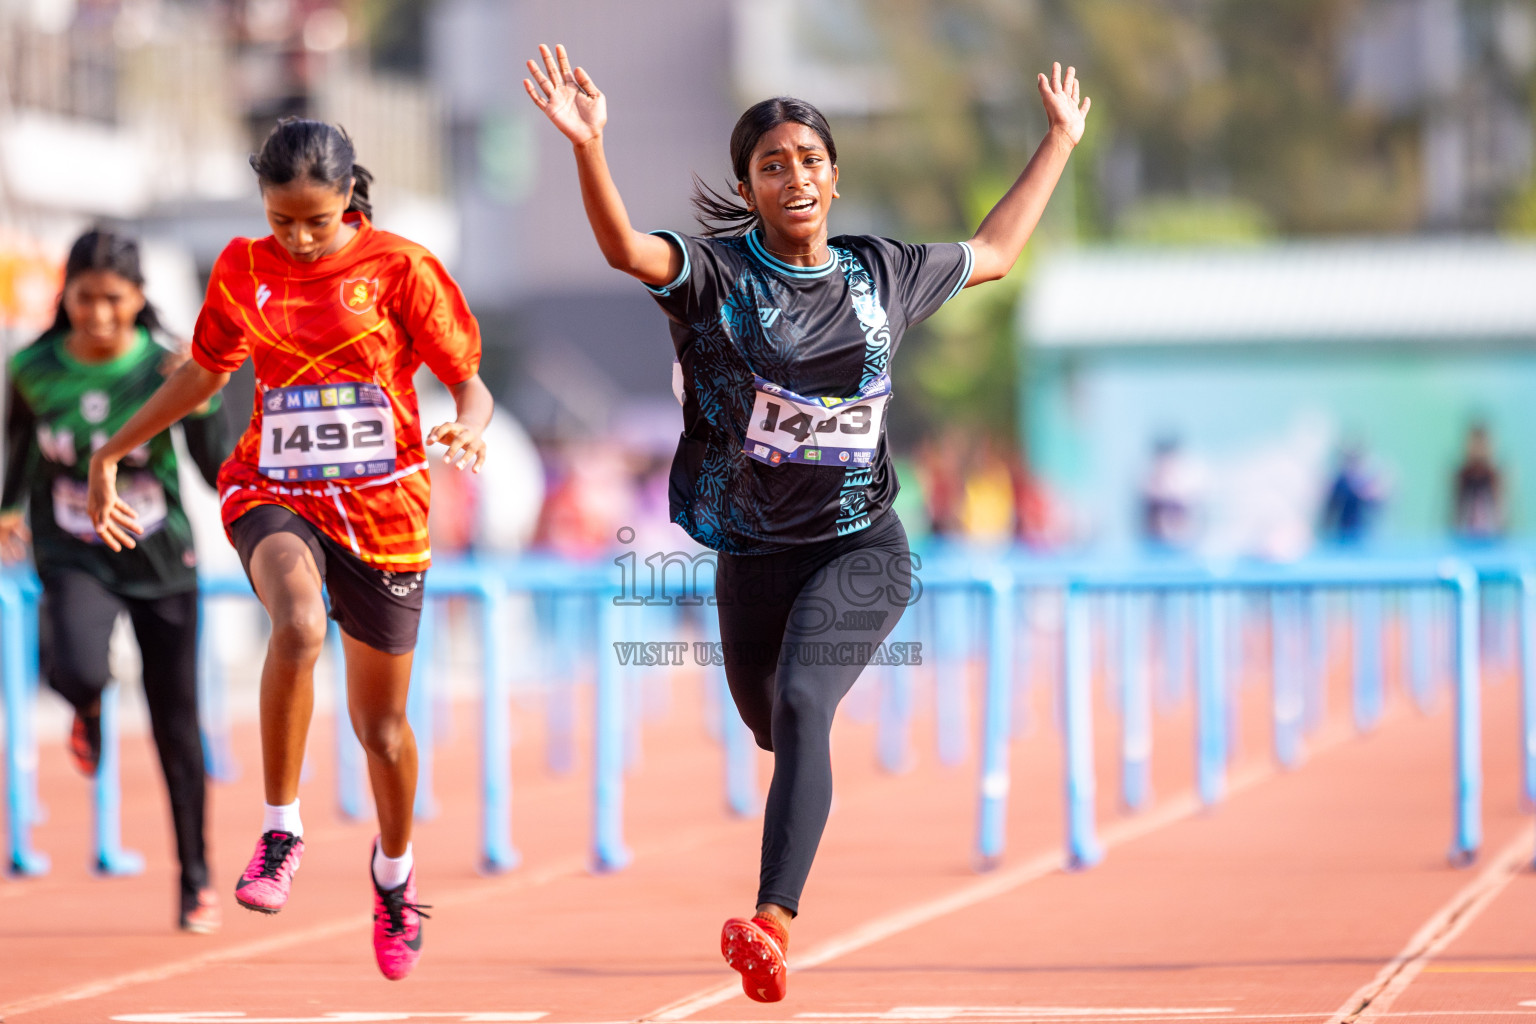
983 863
1462 857
28 864
609 861
500 863
119 864
1082 860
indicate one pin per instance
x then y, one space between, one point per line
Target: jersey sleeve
927 276
19 426
208 439
695 293
220 343
436 317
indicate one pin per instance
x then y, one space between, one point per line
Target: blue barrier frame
1211 589
18 676
1006 584
1212 743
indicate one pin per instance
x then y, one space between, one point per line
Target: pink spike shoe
396 925
268 877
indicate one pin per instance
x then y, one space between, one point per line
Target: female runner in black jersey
784 337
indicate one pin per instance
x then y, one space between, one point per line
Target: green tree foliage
1213 121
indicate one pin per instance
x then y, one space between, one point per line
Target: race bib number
141 491
787 427
327 432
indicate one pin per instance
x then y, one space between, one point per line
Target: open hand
115 520
14 536
570 98
1062 108
466 448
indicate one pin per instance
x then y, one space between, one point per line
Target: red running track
1319 895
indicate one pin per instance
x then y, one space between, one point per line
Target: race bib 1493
787 427
327 432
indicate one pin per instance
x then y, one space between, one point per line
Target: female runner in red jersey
329 485
784 337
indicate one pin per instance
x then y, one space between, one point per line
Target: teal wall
1090 417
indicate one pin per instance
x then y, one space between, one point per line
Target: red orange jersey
335 434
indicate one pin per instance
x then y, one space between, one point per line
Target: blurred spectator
590 495
941 475
987 507
1170 496
1355 494
1478 491
1041 521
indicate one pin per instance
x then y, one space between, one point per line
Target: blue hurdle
1139 601
1212 590
18 675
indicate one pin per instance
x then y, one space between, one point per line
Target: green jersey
59 412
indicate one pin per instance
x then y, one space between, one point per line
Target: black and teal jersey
59 411
824 332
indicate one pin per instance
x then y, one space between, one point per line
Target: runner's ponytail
361 179
720 213
299 149
109 251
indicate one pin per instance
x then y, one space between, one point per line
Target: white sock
282 818
391 872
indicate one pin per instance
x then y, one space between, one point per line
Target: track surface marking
1274 906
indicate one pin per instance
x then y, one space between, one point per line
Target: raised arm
186 389
1003 232
572 101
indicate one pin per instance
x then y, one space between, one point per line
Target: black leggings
798 627
78 614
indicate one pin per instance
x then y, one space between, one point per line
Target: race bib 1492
787 427
327 432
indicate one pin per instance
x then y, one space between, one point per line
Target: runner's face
306 218
791 183
101 306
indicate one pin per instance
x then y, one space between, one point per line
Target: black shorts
374 606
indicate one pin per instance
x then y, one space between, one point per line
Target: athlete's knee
802 704
298 632
382 736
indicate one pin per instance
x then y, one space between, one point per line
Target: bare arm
473 407
574 104
184 391
1004 231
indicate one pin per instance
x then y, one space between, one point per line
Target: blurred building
589 351
1265 361
143 112
1461 70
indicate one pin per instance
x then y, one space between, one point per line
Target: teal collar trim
755 245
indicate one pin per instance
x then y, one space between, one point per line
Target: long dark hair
298 149
101 249
719 213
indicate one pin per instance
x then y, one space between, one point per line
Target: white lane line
1316 1017
1006 1013
333 1017
564 868
1373 1000
979 891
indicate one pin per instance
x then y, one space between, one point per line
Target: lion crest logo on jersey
359 294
